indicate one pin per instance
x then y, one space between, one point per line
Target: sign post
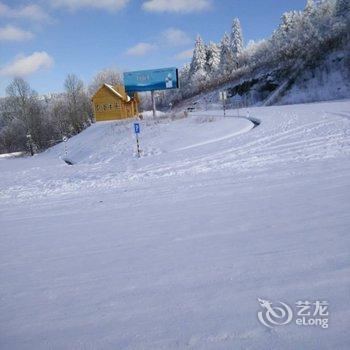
65 139
223 98
137 131
153 104
238 101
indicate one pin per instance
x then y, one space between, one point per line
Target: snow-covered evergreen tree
198 74
283 38
185 72
213 58
236 41
226 56
341 23
184 76
288 23
198 62
310 7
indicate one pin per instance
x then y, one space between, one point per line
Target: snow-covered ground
173 250
11 155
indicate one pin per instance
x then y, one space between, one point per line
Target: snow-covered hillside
328 81
325 81
306 59
173 250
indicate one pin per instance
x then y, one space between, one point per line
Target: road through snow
172 251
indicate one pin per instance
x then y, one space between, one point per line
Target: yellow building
112 102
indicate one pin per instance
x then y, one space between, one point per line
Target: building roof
125 97
111 88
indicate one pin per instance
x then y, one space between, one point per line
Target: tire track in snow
247 149
233 156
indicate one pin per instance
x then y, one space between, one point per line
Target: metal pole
153 104
65 139
138 146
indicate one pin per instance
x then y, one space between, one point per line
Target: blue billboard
150 80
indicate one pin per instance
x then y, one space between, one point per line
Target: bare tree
19 100
74 88
79 108
108 76
24 114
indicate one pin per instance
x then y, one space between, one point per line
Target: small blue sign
137 128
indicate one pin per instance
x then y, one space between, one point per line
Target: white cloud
11 33
179 6
25 65
175 37
140 49
109 5
184 55
31 12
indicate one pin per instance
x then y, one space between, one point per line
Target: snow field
171 251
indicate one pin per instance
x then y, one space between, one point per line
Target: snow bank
11 155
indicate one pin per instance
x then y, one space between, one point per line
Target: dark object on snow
68 161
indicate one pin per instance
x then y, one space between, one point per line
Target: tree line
302 37
29 121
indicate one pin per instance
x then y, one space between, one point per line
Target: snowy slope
105 155
172 251
327 80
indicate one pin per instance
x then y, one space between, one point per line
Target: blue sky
44 40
